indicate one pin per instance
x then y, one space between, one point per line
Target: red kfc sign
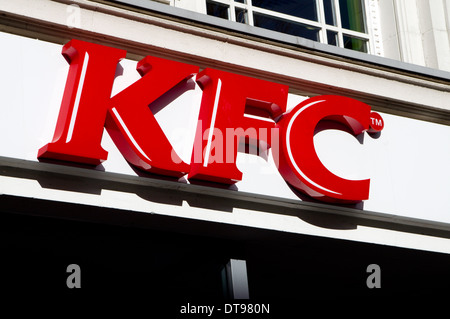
233 109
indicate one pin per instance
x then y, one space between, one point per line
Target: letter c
297 159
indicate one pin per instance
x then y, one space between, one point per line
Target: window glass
284 26
352 15
241 15
330 15
217 9
332 37
337 18
299 8
356 44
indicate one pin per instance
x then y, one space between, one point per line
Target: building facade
118 173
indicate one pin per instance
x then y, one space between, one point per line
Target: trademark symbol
376 122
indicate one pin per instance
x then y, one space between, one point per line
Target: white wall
408 164
417 31
193 5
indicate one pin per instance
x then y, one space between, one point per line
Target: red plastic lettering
223 123
234 110
83 109
298 161
133 127
87 107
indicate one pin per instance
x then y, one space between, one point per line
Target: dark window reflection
217 9
285 26
332 37
330 12
241 15
299 8
352 15
355 44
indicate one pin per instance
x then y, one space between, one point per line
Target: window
340 23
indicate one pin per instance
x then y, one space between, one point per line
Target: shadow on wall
169 191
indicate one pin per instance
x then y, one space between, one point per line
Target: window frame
320 24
